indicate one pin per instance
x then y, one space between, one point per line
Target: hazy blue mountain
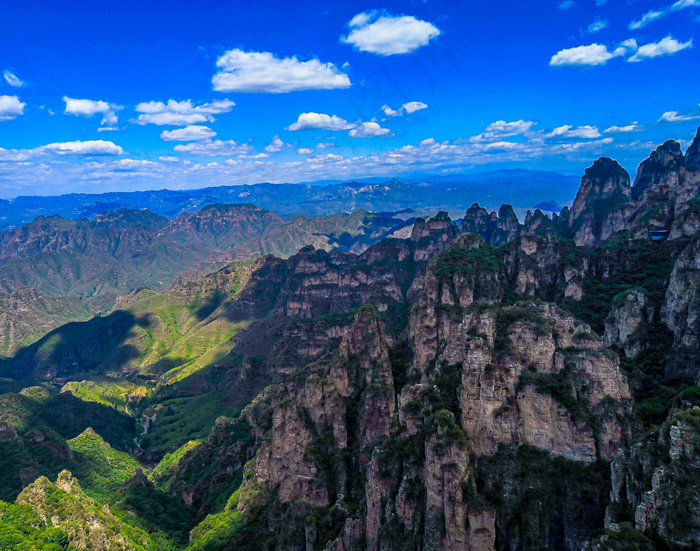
521 188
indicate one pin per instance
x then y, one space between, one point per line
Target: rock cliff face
604 187
628 321
389 436
681 313
654 479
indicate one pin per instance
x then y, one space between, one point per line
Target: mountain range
361 381
521 188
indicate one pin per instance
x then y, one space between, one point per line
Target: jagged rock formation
381 437
663 197
604 187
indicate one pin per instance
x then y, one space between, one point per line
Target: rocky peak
664 160
605 184
496 228
692 154
438 224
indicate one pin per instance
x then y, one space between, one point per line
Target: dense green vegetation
619 266
468 260
21 529
535 492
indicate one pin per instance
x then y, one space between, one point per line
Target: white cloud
168 159
88 108
646 19
655 15
304 151
582 56
673 116
626 47
566 4
633 127
10 108
214 148
180 113
320 121
12 79
568 131
387 34
502 129
191 133
368 130
276 145
413 106
598 54
260 156
503 146
389 112
667 46
263 72
90 147
408 107
597 26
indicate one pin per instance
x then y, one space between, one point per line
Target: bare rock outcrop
627 323
681 313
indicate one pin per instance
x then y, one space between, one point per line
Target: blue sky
150 95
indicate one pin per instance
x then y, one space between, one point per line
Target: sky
155 94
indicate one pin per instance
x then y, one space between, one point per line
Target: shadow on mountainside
79 347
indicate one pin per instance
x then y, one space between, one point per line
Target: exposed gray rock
626 324
681 313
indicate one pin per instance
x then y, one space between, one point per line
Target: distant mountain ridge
520 188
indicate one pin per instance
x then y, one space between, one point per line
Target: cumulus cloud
168 159
320 121
667 46
10 108
655 15
191 133
498 130
304 151
386 34
180 113
568 131
88 108
674 116
389 112
413 106
408 107
582 56
214 148
90 147
632 127
368 130
597 26
12 79
276 145
241 71
598 54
